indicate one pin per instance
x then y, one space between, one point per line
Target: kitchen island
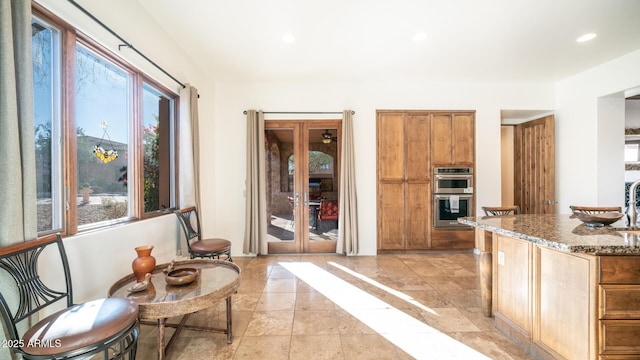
560 289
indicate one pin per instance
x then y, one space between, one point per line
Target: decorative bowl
182 276
599 219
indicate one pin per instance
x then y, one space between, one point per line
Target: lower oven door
448 208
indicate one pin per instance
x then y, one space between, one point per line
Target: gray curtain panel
18 221
189 156
195 131
18 214
348 214
255 231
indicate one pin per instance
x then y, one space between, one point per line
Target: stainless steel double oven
452 195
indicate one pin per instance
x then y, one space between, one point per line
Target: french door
302 165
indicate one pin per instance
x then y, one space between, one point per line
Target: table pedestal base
162 324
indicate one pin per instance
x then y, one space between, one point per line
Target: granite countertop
561 232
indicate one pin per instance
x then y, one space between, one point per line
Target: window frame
69 38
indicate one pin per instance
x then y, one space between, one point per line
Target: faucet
632 213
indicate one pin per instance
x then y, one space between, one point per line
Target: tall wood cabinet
409 145
404 181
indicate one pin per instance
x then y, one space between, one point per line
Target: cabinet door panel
418 215
441 140
463 138
565 303
513 281
390 146
391 217
418 145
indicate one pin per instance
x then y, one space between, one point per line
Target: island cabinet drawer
620 302
619 269
620 337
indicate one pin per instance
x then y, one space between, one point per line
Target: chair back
21 262
501 210
328 210
190 222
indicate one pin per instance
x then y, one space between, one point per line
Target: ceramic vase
144 263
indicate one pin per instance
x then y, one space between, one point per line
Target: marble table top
562 232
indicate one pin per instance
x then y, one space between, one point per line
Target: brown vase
144 263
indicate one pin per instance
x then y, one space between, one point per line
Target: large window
104 143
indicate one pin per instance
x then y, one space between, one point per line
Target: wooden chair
199 247
501 210
105 328
328 211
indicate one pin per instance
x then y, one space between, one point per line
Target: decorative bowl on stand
597 216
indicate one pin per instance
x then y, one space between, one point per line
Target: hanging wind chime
105 155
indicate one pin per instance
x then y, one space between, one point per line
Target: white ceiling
371 40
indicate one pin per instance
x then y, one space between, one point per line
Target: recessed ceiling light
288 38
419 36
586 37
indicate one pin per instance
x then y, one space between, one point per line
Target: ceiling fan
327 137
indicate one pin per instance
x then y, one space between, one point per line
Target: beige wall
506 165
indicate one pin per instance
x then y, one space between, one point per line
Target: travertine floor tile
400 307
316 347
315 323
270 323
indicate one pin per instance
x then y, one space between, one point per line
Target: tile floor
391 306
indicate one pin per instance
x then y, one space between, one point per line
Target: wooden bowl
599 219
182 276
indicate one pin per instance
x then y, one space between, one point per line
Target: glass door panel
322 149
283 197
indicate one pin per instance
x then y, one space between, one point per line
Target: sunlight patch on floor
394 292
411 335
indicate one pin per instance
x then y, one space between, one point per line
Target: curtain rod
302 112
126 43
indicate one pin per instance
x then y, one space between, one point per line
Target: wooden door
417 188
534 166
390 155
463 134
441 140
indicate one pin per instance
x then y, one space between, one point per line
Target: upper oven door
453 184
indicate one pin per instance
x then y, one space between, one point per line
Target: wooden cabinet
404 181
453 138
619 310
562 305
407 151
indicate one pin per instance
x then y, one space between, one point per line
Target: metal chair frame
21 262
184 215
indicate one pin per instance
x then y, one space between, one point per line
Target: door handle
297 199
306 199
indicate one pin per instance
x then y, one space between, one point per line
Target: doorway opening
528 160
